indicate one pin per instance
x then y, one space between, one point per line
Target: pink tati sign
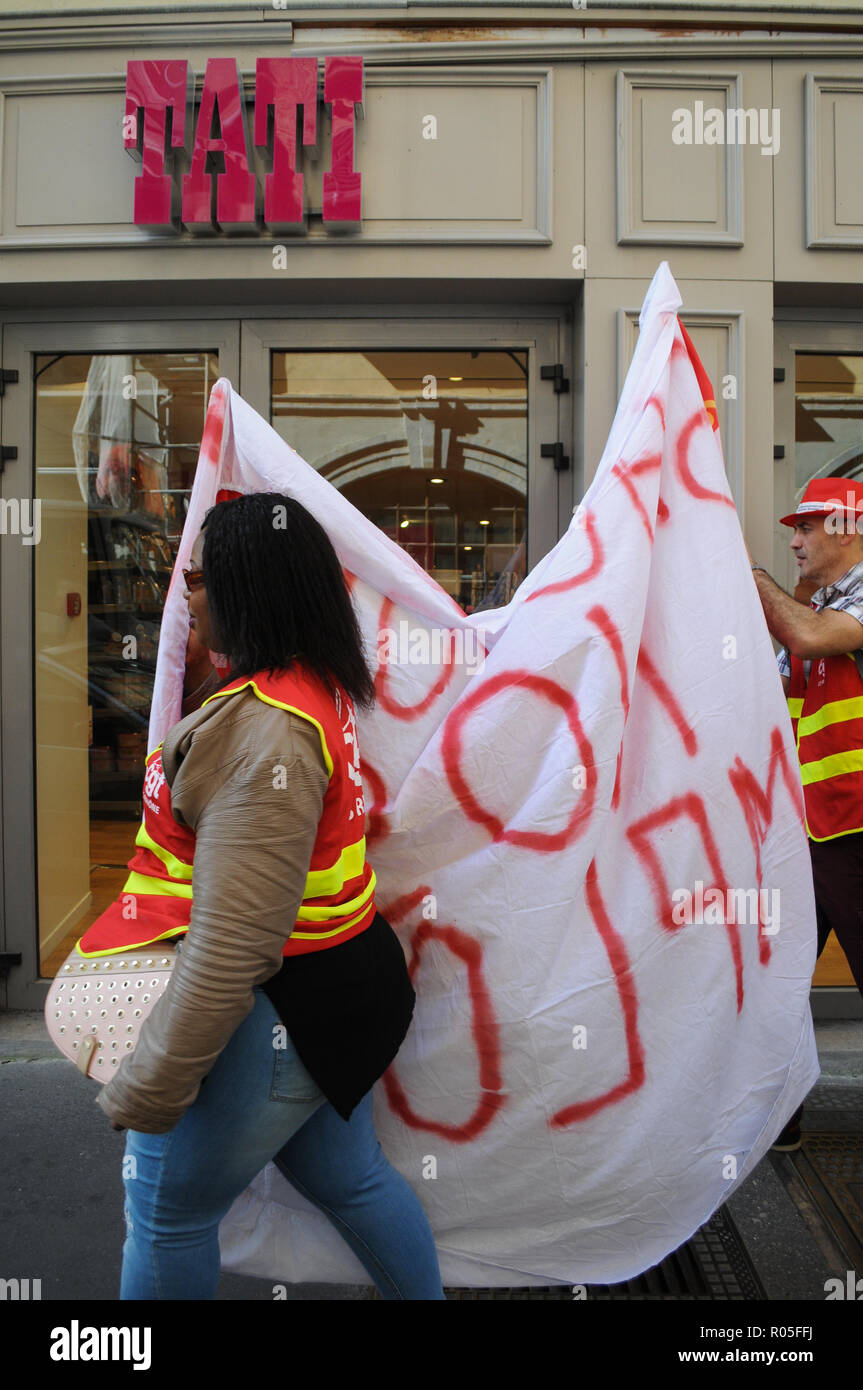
205 179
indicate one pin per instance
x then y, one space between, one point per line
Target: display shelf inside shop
130 561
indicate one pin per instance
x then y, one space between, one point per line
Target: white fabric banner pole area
585 817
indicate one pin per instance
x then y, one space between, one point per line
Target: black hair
276 591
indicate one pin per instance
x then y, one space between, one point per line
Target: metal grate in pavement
712 1265
835 1182
842 1103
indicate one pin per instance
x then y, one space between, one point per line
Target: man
825 700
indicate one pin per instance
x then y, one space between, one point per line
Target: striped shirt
843 596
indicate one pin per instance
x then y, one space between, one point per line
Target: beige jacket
255 827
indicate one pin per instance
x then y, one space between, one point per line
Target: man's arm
807 634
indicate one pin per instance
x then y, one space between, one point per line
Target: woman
290 994
200 677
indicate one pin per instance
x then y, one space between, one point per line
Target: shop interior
430 446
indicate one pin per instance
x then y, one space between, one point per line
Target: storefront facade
420 253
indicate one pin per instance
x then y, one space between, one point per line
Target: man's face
821 555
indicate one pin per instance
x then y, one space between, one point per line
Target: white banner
586 821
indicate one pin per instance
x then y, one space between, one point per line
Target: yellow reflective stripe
834 712
795 707
156 887
349 865
321 935
135 946
279 704
326 914
833 766
177 868
854 830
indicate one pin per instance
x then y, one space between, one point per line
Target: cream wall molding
540 79
431 11
557 44
818 237
727 84
731 321
160 30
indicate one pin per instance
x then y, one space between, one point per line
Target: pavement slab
61 1201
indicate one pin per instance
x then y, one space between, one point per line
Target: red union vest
157 896
338 897
827 719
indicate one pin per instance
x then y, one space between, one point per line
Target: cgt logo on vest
154 780
349 731
209 182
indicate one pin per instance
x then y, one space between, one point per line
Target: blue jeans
260 1103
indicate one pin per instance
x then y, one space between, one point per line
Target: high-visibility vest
338 897
827 719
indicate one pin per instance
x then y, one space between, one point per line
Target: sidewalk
796 1222
799 1215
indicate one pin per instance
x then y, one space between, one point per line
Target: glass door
819 433
430 429
433 427
117 417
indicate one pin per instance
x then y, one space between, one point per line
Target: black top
347 1010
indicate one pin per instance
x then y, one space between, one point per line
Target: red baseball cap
827 497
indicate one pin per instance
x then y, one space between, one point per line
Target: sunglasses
194 579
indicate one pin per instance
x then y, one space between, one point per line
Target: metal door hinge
555 451
7 960
779 451
555 374
8 377
778 373
8 452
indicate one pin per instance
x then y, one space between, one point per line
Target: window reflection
829 416
430 446
116 442
829 443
